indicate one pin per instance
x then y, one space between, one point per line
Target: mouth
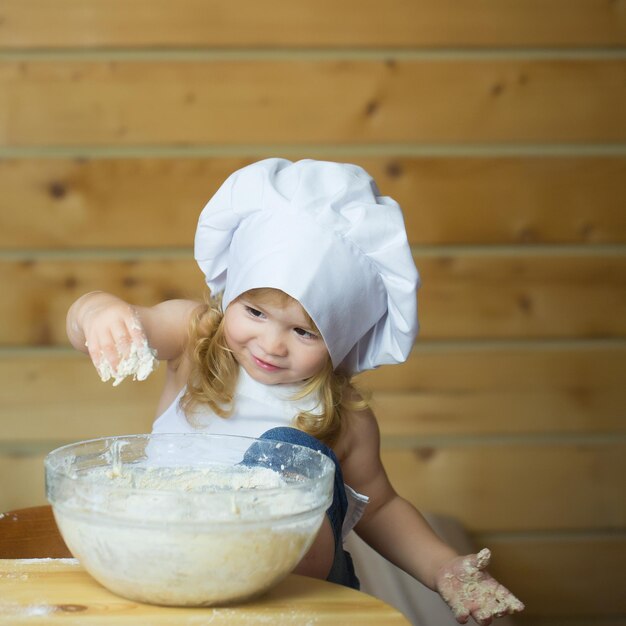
264 365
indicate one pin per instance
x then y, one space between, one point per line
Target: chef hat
321 233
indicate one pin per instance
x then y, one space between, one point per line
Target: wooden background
499 125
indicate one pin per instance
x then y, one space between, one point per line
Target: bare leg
317 562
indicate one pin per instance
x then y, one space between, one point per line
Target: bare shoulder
167 326
360 435
358 452
357 428
177 309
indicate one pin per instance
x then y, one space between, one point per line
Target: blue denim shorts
342 570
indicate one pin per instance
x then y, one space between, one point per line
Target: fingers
116 340
470 590
482 617
482 558
135 330
472 564
115 345
126 356
112 346
460 607
514 605
501 603
506 602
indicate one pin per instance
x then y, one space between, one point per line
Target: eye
305 333
253 312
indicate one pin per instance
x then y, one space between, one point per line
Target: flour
140 363
469 590
207 479
19 610
188 536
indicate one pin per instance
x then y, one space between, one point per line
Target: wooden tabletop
60 591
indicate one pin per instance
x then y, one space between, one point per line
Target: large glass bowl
189 519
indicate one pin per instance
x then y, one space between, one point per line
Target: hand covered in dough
469 590
115 338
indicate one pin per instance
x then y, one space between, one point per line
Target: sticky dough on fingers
140 362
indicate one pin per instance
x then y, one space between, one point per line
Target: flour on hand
140 363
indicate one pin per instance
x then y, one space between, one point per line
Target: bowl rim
58 471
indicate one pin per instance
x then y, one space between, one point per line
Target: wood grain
459 393
564 578
522 296
31 533
22 480
513 422
431 414
521 389
463 295
63 589
404 101
278 23
523 367
516 487
155 202
61 397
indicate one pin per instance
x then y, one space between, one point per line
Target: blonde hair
214 373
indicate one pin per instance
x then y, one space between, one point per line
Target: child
317 284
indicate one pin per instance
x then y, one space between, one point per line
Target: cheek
232 333
316 360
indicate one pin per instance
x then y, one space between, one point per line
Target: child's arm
395 529
105 327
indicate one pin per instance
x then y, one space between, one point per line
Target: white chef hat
320 232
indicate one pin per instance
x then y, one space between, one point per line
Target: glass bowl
188 519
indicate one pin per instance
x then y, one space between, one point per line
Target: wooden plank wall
500 126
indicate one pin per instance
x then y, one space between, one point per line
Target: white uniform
258 408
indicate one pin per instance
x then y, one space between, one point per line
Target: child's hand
469 590
115 338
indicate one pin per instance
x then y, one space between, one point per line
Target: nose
272 342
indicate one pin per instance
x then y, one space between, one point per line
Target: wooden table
35 591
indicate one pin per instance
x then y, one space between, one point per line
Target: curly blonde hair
214 373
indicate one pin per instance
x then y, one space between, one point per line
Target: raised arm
106 327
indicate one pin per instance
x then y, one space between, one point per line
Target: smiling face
273 339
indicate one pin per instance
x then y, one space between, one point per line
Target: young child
312 281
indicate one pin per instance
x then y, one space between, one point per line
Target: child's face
274 343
